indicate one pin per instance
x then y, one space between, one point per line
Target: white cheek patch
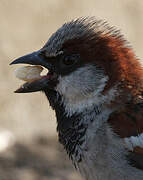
134 141
81 82
83 89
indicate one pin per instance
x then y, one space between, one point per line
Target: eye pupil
70 60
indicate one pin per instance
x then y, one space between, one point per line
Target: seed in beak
28 73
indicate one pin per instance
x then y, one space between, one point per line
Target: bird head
86 59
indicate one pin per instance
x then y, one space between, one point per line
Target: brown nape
128 121
112 54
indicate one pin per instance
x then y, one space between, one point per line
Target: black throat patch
71 129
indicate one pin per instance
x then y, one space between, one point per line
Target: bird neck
73 129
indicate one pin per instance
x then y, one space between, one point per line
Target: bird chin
48 81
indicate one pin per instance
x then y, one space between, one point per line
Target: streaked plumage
95 86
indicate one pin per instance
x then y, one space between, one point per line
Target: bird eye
69 60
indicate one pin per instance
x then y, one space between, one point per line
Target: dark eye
69 60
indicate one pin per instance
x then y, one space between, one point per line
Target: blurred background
29 148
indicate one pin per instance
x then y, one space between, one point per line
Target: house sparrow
95 85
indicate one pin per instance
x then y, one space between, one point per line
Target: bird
94 82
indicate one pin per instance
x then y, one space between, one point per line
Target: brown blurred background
29 148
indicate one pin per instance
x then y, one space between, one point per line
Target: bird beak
44 82
33 59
